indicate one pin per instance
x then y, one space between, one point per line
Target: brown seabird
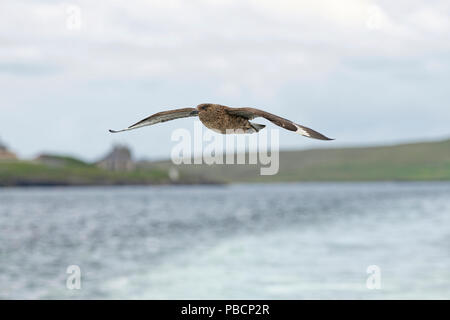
226 120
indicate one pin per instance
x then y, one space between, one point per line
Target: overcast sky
362 71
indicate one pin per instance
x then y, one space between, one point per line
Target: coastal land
425 161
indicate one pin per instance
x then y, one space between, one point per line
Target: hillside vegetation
65 171
27 173
407 162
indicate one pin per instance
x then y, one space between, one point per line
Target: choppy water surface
284 241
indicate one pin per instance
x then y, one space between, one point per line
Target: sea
381 240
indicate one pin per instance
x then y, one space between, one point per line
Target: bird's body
227 120
216 117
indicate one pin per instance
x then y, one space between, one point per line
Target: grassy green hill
70 171
26 173
407 162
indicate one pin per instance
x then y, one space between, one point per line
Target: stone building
119 159
6 154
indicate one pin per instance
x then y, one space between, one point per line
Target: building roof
3 146
5 154
119 159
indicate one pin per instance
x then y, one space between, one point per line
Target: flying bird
226 120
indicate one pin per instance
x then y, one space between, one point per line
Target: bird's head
203 106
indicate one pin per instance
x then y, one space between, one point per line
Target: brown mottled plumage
217 118
227 120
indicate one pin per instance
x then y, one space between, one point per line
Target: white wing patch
302 131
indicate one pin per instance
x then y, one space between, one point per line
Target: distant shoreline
422 161
72 172
64 186
427 161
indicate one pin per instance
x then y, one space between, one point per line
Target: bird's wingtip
117 131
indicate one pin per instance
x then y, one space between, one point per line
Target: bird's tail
257 126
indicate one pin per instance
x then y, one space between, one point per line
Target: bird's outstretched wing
162 117
251 113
